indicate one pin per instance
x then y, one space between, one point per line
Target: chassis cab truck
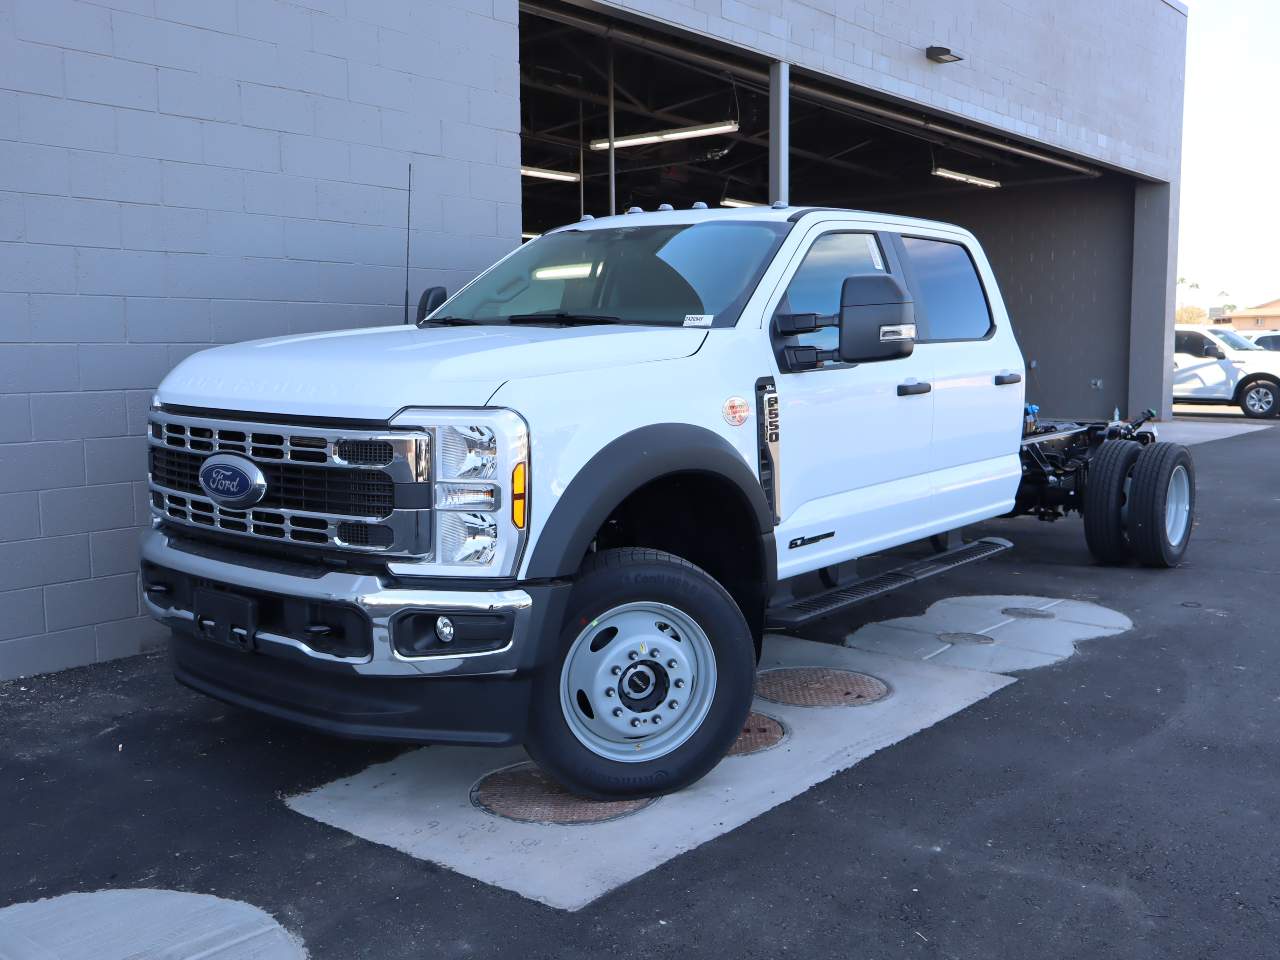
562 508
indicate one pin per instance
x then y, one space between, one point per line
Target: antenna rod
408 216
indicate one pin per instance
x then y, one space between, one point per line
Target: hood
370 374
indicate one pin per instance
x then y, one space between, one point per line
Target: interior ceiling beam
679 120
799 88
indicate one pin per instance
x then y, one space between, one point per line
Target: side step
805 610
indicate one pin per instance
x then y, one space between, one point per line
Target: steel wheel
637 682
1177 505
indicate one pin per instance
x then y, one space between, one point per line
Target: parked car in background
1266 339
1217 365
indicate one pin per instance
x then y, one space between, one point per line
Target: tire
1105 499
652 630
1162 504
1260 399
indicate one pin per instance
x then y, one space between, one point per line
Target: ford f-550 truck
562 508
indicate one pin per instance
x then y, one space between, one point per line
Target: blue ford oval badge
232 482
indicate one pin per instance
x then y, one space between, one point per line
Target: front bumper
376 691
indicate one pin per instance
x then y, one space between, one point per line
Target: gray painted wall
175 173
1103 80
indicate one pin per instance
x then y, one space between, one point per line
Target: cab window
816 285
1184 341
955 305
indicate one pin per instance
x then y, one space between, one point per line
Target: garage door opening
691 123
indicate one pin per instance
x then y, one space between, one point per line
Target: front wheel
652 682
1260 399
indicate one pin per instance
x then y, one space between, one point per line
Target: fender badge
736 411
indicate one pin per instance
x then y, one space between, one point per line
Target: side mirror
431 299
1213 351
877 319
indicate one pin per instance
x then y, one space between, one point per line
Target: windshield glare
1235 341
691 274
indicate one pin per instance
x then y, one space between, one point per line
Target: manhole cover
758 733
819 687
523 792
1027 613
965 638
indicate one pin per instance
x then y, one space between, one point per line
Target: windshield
691 274
1235 341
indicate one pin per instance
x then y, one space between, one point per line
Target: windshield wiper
449 322
565 319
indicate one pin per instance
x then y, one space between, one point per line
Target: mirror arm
807 358
792 324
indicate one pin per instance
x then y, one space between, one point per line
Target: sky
1229 235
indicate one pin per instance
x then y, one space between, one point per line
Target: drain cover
819 687
758 733
965 638
1027 613
524 793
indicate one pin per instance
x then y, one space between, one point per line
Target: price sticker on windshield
698 319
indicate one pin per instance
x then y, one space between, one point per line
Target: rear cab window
951 303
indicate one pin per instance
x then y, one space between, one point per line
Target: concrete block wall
175 174
1102 80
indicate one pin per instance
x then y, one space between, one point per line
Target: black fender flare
625 465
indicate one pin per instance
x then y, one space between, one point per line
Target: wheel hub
637 681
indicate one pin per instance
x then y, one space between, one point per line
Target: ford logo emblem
232 482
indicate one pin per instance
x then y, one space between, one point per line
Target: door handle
912 389
1004 379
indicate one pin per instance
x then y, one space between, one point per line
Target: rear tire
647 634
1105 500
1260 399
1162 504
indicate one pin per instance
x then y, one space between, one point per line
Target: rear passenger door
978 372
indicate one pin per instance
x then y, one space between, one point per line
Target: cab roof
774 213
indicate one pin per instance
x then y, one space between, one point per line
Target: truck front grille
331 487
293 486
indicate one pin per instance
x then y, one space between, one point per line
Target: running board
805 610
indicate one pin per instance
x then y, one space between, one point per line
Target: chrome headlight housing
480 485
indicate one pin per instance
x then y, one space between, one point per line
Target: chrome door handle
1004 379
912 389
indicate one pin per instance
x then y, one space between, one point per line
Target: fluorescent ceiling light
661 136
529 236
968 178
730 202
568 271
543 174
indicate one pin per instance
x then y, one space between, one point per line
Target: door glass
817 283
1189 343
955 305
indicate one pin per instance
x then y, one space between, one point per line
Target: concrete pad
132 924
1016 642
1190 432
420 803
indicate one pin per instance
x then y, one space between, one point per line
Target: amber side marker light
518 499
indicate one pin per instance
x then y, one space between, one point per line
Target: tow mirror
431 299
877 319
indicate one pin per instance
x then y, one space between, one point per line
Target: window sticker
699 319
873 248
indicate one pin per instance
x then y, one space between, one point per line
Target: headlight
479 476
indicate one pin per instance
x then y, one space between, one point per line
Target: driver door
854 448
1199 375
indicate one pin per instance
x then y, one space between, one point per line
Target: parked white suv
1216 365
1266 339
562 509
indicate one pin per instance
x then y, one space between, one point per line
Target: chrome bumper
379 603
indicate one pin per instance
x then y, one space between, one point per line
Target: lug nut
617 711
679 684
616 670
609 692
654 653
635 721
671 664
657 719
672 704
633 655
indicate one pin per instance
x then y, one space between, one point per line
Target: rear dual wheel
1139 503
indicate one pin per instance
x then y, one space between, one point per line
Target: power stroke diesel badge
232 482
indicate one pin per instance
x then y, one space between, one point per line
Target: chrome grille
326 486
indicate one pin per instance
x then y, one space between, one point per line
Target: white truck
562 509
1216 365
